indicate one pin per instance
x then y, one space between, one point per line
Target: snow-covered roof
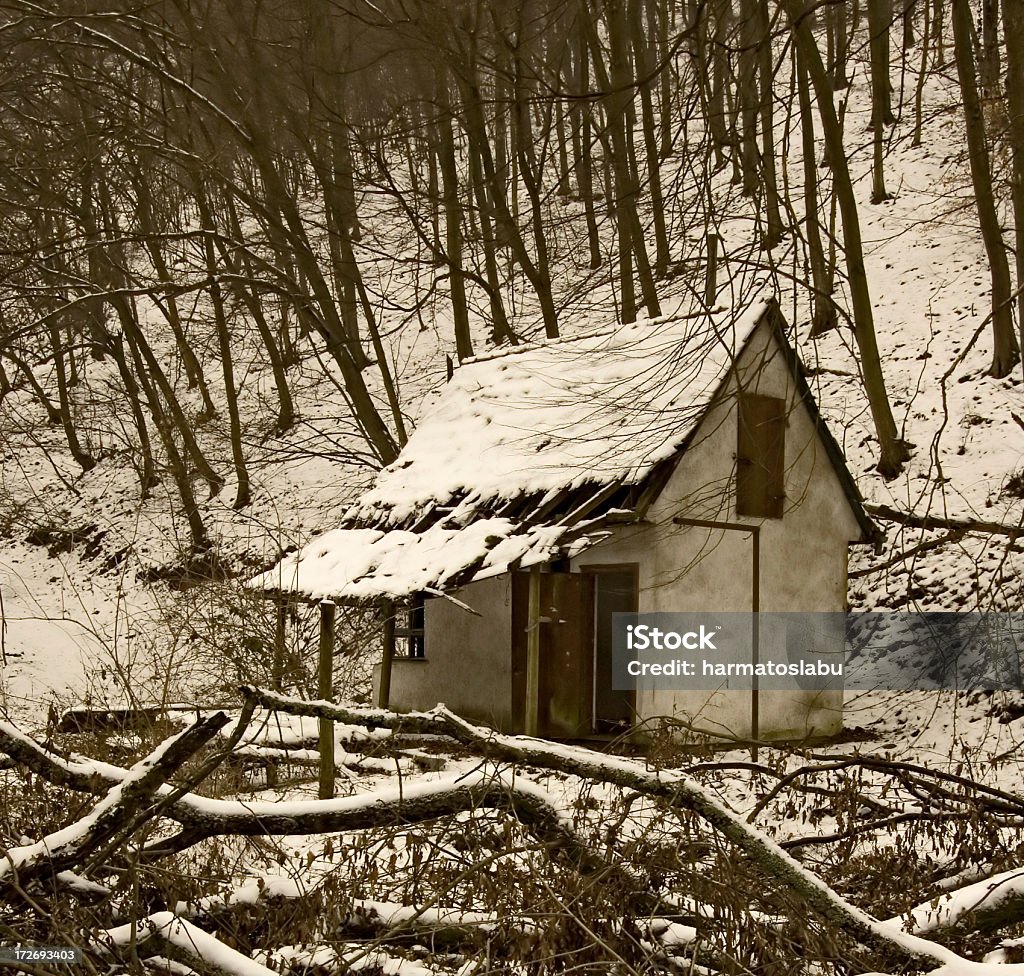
371 564
517 458
597 409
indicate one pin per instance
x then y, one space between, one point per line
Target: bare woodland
208 211
202 176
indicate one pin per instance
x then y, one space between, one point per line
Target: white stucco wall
803 556
468 663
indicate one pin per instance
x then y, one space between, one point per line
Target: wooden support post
533 653
277 671
384 689
325 691
277 676
711 276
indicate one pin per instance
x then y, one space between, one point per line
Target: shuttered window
761 456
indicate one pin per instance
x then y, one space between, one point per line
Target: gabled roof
519 458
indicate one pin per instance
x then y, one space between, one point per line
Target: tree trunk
879 23
718 119
82 457
584 169
747 94
453 232
254 302
840 39
908 23
823 317
1004 343
765 68
501 331
531 172
988 62
243 495
1013 31
892 451
617 80
644 65
921 75
169 306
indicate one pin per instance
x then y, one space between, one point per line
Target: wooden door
566 678
616 591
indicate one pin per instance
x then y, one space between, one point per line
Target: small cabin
672 465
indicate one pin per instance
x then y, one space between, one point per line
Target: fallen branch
981 906
163 929
888 514
954 535
70 846
678 791
409 803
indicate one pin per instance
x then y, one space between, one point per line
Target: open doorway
616 590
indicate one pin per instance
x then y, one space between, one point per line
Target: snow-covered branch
675 789
116 812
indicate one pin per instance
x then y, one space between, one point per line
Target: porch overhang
359 566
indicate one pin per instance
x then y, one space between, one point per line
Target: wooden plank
760 456
384 689
566 680
533 653
325 691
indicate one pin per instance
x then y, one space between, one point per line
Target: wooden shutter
761 456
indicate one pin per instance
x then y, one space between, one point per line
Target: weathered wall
802 559
468 663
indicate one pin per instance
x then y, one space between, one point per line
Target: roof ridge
606 330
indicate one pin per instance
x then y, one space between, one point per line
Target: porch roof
361 565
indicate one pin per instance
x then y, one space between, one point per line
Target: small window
410 628
761 456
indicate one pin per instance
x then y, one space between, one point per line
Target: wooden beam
280 629
533 653
384 688
325 691
588 505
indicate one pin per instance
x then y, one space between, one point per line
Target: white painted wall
468 663
803 555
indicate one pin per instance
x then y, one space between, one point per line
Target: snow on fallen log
69 846
251 892
388 918
993 901
167 929
327 958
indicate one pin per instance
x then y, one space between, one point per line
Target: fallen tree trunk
409 803
888 514
678 791
165 929
117 812
982 906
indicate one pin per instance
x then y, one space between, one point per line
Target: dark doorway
616 590
566 653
